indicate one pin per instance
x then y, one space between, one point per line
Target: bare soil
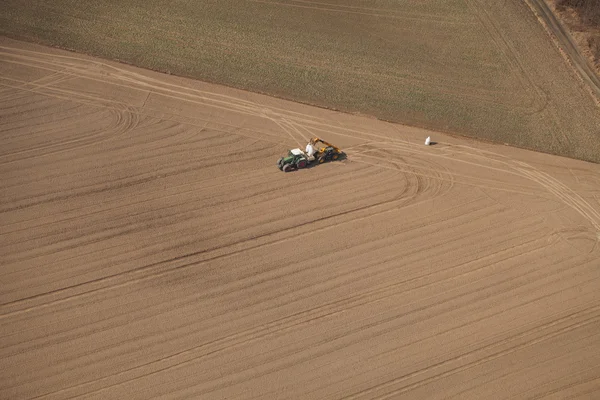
150 248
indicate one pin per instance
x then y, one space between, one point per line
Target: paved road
567 43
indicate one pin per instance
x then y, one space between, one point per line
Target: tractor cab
295 159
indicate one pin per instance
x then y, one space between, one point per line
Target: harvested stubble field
151 249
485 69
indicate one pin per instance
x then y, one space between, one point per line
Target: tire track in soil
123 121
285 364
319 312
157 269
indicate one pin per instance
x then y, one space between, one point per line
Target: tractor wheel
287 168
321 160
302 164
334 157
279 162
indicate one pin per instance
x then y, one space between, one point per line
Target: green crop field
484 69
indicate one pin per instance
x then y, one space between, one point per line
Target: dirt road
150 248
567 44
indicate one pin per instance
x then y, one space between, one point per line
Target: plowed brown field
150 248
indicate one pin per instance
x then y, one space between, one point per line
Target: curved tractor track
151 249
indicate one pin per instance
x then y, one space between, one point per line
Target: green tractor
295 159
